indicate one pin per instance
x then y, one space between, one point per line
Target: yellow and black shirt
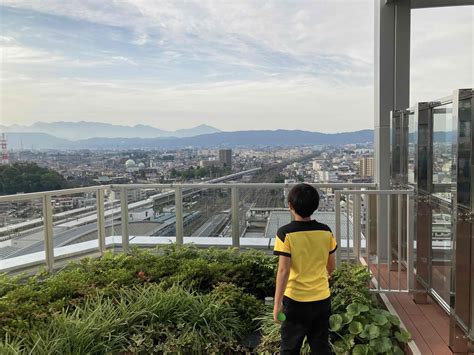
308 244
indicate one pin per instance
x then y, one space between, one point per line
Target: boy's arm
331 265
284 264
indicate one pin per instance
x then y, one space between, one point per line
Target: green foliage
247 306
142 319
176 299
349 284
249 277
28 177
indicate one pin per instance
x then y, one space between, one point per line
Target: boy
306 260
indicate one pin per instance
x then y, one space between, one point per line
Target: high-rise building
366 167
225 157
3 143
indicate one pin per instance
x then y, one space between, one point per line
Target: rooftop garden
177 300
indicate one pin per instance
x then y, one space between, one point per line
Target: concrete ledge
30 262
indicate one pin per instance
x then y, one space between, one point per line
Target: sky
234 65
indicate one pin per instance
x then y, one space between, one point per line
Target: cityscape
206 212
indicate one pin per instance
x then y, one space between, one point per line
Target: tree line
29 177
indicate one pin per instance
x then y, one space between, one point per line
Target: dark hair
304 199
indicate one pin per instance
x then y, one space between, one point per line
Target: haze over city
232 65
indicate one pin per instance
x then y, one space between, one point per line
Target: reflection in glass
442 248
412 146
443 139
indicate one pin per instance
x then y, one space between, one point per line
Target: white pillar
392 92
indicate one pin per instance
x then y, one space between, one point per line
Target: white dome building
130 165
141 165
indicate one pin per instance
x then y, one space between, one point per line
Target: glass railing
52 227
439 169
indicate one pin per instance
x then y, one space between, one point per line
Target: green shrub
33 300
142 319
247 306
175 299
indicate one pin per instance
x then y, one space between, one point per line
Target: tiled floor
428 323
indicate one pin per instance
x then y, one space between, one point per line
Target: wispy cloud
233 64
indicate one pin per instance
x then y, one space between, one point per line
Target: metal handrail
357 240
174 189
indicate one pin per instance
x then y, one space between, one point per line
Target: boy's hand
276 311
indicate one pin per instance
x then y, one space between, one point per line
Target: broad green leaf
339 347
403 336
373 331
397 351
335 322
349 340
379 319
394 319
356 327
347 318
381 345
364 334
385 331
355 309
360 349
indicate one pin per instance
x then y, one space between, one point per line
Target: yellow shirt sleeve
282 245
333 244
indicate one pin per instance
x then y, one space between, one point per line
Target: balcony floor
428 323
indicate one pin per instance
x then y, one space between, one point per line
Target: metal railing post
379 246
235 217
48 232
356 228
101 220
389 242
399 238
368 229
338 227
124 219
410 246
178 199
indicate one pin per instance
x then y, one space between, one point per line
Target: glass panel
206 213
155 219
441 202
21 226
464 153
442 247
75 221
412 147
262 212
443 139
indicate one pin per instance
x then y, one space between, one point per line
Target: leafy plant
176 299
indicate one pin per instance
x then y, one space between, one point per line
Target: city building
366 167
225 157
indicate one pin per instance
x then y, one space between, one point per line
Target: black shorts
305 319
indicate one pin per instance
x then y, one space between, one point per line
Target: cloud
442 52
13 52
296 103
233 64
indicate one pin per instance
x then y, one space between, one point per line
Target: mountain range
84 130
265 138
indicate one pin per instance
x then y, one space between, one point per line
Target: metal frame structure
392 90
461 302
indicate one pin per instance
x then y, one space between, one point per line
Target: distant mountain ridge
84 130
262 138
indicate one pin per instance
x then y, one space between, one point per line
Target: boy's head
303 200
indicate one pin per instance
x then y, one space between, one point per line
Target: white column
392 90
